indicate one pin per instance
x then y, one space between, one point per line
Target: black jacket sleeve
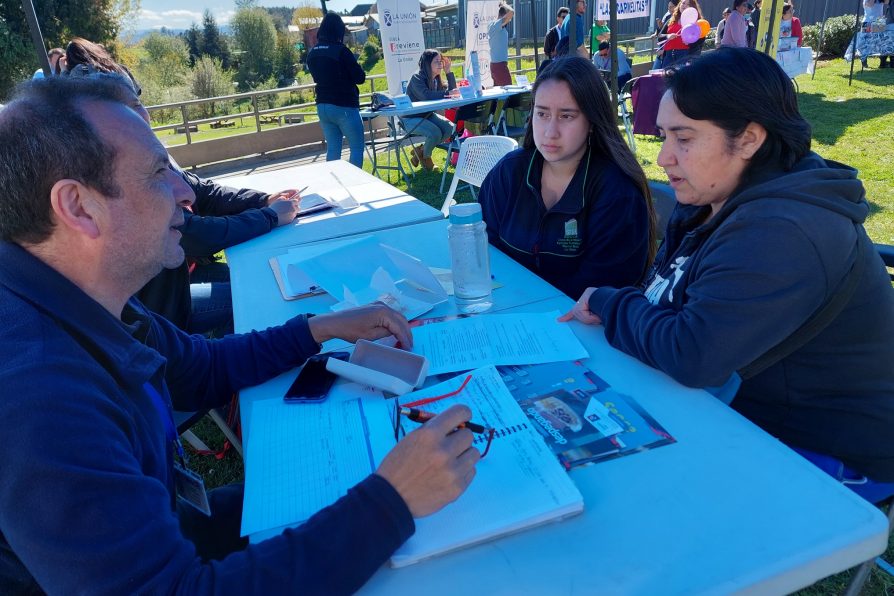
418 90
214 199
206 236
351 67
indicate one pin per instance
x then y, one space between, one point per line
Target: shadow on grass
870 76
830 119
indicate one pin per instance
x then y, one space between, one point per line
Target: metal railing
268 115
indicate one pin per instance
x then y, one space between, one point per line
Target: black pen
422 417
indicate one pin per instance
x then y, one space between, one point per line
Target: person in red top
788 15
675 49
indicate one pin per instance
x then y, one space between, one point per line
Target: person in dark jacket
765 235
337 73
572 205
195 296
427 85
551 41
88 501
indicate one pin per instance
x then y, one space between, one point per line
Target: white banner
400 25
479 15
627 9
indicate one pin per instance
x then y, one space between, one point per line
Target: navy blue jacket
597 234
336 73
721 295
221 217
86 504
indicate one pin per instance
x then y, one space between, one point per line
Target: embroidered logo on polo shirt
571 242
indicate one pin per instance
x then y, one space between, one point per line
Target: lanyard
167 418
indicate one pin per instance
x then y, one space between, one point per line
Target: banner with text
627 9
400 25
479 15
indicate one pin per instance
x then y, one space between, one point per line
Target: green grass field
851 124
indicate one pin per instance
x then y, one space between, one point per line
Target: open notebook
520 484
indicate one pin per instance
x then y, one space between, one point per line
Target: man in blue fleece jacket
91 212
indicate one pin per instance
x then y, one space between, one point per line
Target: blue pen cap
465 213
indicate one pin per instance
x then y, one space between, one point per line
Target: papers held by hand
312 203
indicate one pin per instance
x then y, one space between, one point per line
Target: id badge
191 489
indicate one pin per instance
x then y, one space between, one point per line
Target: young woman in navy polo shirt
572 205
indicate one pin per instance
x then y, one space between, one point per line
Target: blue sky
177 14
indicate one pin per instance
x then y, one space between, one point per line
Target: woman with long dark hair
766 283
427 85
84 57
572 205
337 73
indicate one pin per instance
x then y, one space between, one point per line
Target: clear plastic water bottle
469 257
475 73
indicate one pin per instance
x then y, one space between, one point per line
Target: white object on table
380 205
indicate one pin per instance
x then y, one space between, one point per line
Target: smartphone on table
313 381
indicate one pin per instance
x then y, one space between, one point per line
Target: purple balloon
691 33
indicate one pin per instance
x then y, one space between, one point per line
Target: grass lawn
851 124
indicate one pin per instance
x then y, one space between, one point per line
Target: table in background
395 139
257 303
876 43
381 206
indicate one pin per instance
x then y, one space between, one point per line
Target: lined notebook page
519 484
307 456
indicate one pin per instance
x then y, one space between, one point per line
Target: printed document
524 338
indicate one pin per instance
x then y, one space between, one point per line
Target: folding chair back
475 113
477 157
520 103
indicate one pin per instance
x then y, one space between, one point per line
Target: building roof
360 10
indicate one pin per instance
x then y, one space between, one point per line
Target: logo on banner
387 18
476 20
398 47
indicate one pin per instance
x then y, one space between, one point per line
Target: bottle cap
465 213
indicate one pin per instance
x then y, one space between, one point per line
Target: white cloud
223 17
172 19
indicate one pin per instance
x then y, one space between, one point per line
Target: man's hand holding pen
434 464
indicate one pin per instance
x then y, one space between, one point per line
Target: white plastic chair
477 156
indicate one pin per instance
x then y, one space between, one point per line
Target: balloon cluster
694 28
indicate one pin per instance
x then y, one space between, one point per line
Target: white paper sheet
307 456
473 342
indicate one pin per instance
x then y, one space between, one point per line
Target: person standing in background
756 17
720 26
56 57
499 46
336 72
573 46
599 33
734 33
551 41
790 25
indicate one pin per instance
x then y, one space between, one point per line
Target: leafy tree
281 15
307 15
255 36
193 39
60 20
213 44
165 61
210 79
286 59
